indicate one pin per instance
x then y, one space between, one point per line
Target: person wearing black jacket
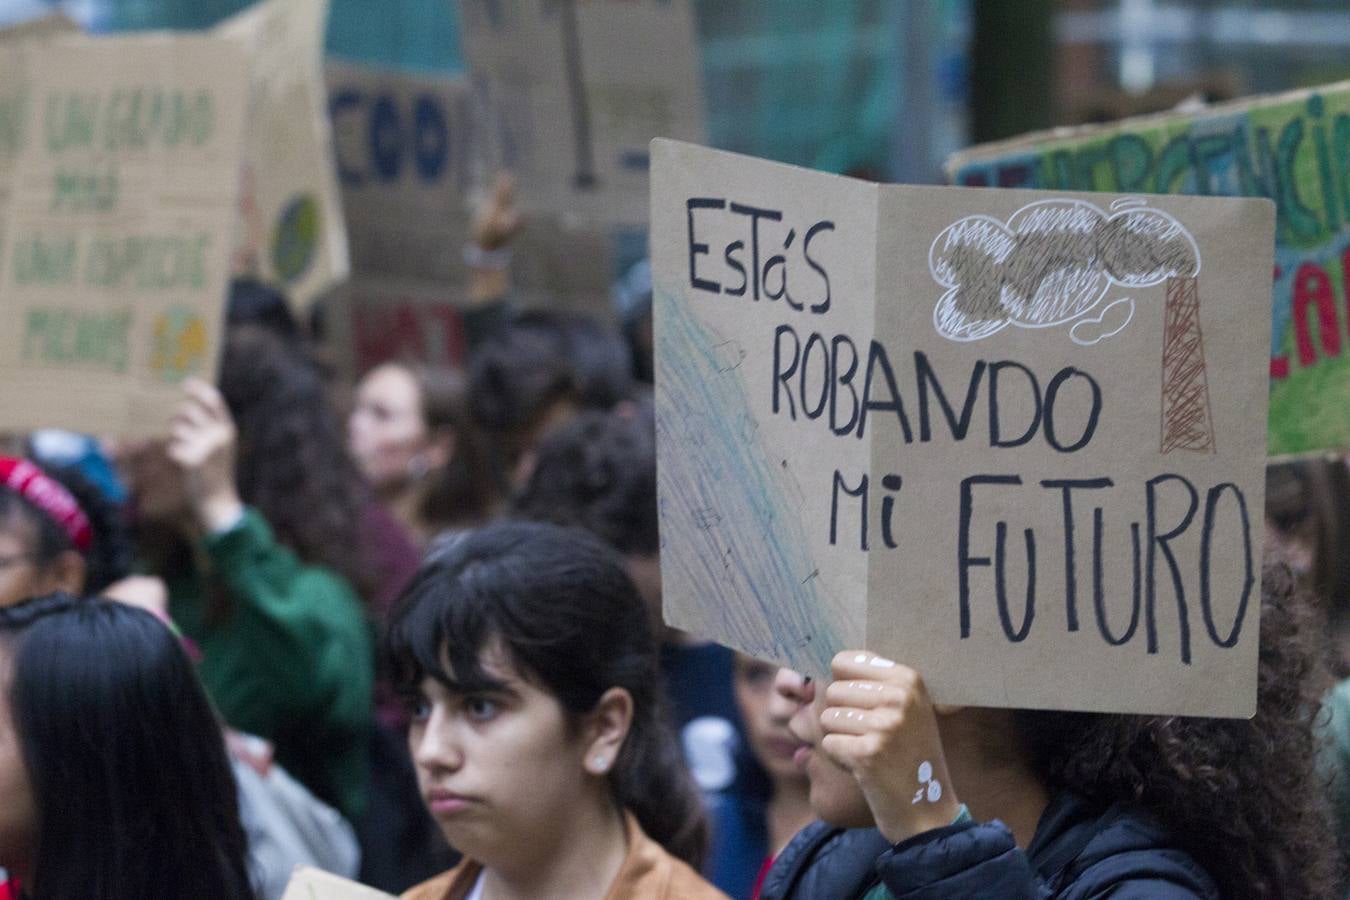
926 802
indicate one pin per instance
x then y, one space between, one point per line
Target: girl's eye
480 709
419 709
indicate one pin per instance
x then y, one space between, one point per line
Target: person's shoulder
822 860
687 883
650 872
1123 850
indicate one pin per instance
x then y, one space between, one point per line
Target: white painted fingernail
881 663
925 772
860 658
934 791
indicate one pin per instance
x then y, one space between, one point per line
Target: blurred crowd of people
422 647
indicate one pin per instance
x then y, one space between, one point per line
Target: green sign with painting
1294 149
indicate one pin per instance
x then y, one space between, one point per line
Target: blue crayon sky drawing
729 509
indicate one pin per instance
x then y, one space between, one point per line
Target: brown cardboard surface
314 884
573 91
15 100
998 380
291 229
405 163
120 229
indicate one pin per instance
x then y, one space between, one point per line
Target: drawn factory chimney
1186 420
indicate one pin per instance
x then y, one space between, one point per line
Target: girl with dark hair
57 533
253 530
411 435
540 744
112 765
1094 804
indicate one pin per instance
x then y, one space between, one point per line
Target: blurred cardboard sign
375 318
119 229
404 160
1292 148
291 230
315 884
15 101
1014 439
573 91
390 319
409 160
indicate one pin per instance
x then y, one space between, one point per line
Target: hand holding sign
880 725
202 443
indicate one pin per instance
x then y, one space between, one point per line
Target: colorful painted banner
1293 149
119 229
1015 439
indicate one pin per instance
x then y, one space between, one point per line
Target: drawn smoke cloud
1052 263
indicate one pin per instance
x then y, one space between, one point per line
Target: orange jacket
648 873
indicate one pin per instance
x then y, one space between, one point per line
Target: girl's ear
606 728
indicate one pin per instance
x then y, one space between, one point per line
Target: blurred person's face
836 795
23 577
766 716
499 771
386 433
155 487
18 812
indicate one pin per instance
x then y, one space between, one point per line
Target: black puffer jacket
1080 851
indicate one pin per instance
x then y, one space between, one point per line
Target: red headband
48 495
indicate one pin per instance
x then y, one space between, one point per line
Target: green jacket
292 662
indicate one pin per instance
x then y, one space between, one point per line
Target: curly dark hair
598 472
1244 798
292 463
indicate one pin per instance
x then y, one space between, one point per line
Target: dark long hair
126 760
1243 797
561 605
462 492
292 464
109 557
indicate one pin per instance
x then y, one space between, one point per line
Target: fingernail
861 658
880 663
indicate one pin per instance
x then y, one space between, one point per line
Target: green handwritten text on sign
1294 149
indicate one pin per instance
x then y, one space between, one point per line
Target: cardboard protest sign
574 90
55 24
291 228
15 105
376 318
1015 439
315 884
382 319
405 162
409 164
1292 148
119 229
